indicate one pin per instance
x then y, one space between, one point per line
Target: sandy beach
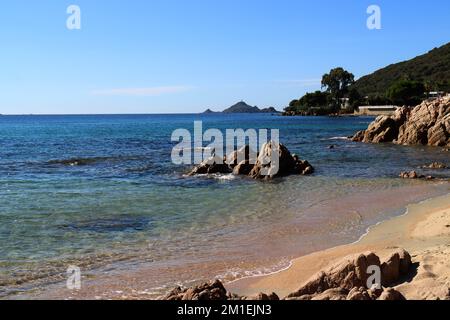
424 231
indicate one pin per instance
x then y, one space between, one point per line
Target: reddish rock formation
207 291
213 291
426 124
345 275
346 280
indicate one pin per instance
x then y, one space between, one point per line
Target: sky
168 56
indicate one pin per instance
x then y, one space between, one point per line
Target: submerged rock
409 175
414 175
435 165
426 124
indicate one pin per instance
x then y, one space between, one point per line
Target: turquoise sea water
125 204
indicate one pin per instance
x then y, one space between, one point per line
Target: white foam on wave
338 138
226 177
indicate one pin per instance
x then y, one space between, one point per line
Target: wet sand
424 231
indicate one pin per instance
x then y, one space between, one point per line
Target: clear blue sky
167 56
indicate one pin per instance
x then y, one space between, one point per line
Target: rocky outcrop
414 175
435 165
207 291
347 280
397 265
273 160
211 166
261 297
211 291
426 124
409 175
391 295
345 275
287 164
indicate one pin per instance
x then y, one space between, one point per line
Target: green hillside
432 69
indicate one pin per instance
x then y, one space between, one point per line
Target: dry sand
424 231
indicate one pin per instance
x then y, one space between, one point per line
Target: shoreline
133 283
381 238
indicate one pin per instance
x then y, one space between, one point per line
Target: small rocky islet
245 162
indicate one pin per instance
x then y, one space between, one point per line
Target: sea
101 193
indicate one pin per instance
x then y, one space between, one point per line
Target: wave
91 161
338 138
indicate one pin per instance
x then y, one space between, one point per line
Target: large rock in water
256 165
287 164
426 124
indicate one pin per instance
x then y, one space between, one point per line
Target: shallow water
100 192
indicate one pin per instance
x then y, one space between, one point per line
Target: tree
316 99
355 98
406 92
315 103
336 83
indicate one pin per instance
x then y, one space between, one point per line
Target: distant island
242 107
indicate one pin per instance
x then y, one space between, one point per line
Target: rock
213 291
391 295
245 153
346 275
211 166
360 294
332 294
375 293
390 270
263 297
405 261
287 164
243 168
347 280
258 166
397 265
435 165
414 175
409 175
207 291
426 124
